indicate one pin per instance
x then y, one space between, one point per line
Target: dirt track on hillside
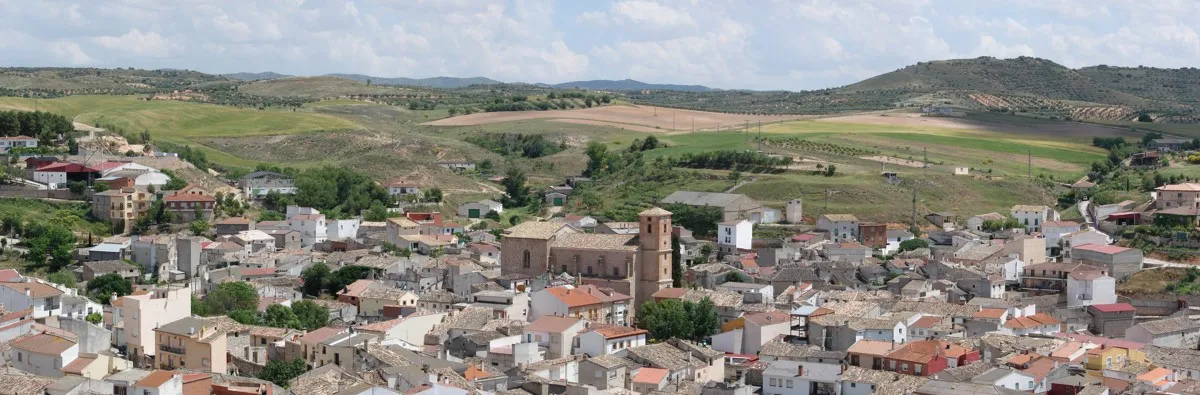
641 118
1065 129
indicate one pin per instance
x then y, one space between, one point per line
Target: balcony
173 350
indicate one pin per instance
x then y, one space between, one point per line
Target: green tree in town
315 278
62 277
102 288
665 319
736 277
514 186
94 318
232 296
704 319
310 314
281 372
199 227
344 276
909 245
281 316
246 317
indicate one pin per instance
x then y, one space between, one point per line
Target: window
649 229
892 365
525 259
19 356
773 383
589 270
904 367
564 267
1031 384
789 383
852 385
917 369
616 272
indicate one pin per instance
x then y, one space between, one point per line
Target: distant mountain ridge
432 82
628 85
266 75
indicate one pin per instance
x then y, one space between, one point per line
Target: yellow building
1107 356
96 366
121 206
190 343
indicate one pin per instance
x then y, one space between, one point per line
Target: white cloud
597 18
150 44
770 44
652 15
988 46
70 52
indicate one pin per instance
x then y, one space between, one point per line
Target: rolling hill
627 85
432 82
1032 86
266 75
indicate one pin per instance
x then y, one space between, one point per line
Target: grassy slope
181 122
318 87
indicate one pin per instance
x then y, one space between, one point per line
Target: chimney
800 370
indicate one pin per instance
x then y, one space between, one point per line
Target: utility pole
826 209
759 136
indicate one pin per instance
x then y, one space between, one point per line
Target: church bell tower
654 253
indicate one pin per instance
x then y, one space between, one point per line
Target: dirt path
1066 129
652 119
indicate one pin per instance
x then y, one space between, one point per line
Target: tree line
524 145
44 126
732 160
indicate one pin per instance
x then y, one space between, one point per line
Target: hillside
1034 87
627 85
55 81
266 75
433 82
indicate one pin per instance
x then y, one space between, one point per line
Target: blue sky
760 44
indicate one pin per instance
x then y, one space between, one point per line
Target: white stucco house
43 354
310 223
603 339
1033 217
734 235
342 229
1090 287
839 226
45 299
480 209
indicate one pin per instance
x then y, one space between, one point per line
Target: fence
16 191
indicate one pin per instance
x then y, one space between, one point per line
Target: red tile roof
188 197
9 275
650 375
78 365
1103 249
262 271
616 331
925 350
155 379
551 324
1113 307
670 293
67 168
1036 320
36 289
573 297
43 343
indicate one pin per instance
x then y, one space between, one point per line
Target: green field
182 122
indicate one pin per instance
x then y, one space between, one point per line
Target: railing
173 350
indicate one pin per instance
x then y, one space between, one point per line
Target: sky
731 44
